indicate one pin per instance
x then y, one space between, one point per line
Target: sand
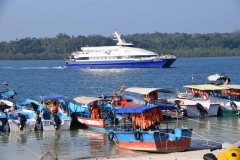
187 155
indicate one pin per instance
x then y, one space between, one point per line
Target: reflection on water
78 144
65 144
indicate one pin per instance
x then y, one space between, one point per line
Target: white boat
228 97
52 113
22 120
123 55
198 100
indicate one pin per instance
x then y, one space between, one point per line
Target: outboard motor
38 122
233 106
34 106
22 120
201 109
57 121
179 109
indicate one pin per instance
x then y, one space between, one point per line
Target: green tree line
179 44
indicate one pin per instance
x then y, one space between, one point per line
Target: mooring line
237 132
21 145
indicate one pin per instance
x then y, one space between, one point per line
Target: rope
216 126
21 145
213 125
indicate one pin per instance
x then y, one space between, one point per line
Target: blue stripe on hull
147 136
120 64
102 130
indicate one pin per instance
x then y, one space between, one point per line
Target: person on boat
206 95
146 99
96 111
112 108
54 106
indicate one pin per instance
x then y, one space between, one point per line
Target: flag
192 79
122 88
102 96
226 82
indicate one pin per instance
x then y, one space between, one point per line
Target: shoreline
185 155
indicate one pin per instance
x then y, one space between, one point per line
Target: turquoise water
30 79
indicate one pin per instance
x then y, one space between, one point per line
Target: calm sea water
30 79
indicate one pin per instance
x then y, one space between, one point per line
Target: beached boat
22 120
198 101
145 132
93 112
229 99
25 116
5 107
153 96
123 55
4 126
227 95
52 114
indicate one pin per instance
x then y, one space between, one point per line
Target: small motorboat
22 120
93 112
52 114
25 116
145 131
5 107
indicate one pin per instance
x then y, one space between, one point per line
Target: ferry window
83 58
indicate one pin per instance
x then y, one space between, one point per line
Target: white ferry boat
123 55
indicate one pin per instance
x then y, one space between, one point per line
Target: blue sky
46 18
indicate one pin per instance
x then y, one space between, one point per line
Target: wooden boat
153 96
101 120
143 136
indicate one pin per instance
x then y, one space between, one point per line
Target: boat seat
46 114
176 135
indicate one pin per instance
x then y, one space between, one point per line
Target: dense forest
179 44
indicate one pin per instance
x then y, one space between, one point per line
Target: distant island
178 44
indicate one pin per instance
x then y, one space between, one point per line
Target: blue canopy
140 109
53 97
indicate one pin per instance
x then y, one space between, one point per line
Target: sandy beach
187 155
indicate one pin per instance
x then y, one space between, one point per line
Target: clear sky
47 18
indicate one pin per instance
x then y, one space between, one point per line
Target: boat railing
120 126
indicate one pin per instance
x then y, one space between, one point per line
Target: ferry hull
152 142
121 64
